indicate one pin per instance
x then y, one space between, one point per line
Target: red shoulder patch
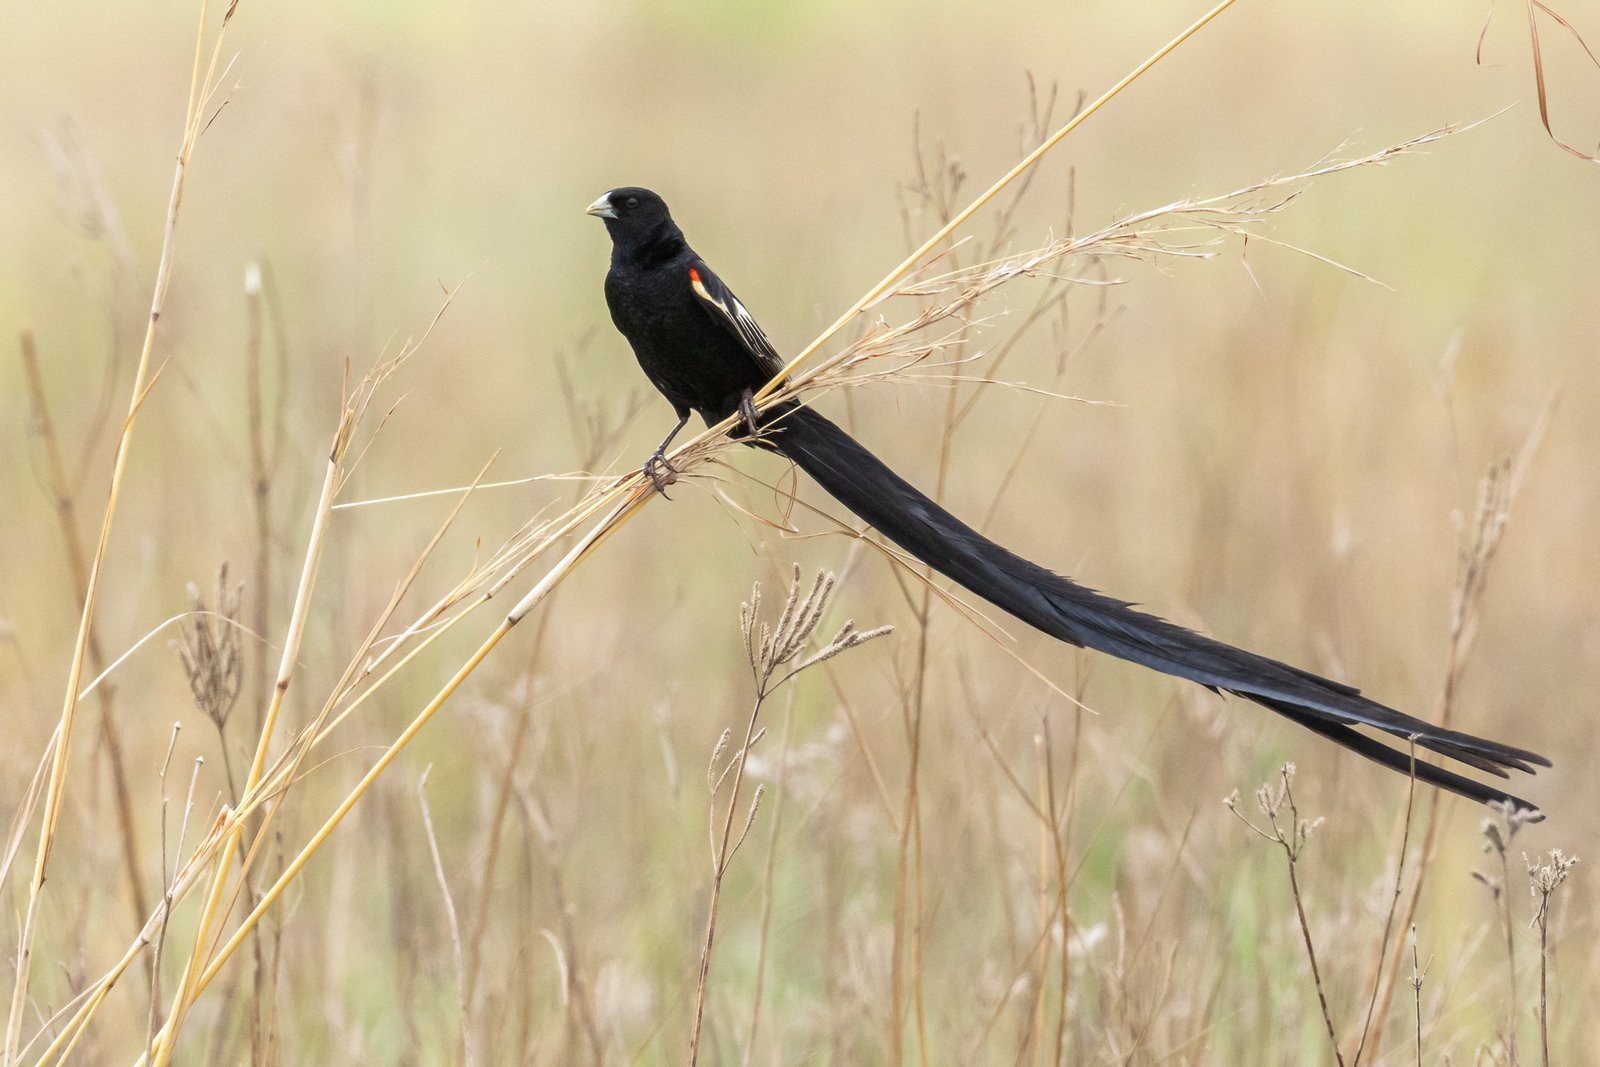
694 276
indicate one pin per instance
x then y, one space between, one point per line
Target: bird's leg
747 408
658 460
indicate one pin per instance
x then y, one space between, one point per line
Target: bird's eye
633 201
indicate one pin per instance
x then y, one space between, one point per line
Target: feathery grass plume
771 646
208 648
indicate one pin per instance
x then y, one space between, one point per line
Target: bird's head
631 211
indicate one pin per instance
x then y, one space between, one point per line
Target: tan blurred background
1290 460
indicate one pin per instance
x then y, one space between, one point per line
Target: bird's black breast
692 360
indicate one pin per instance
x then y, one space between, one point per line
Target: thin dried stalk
1394 904
155 959
1499 831
575 998
183 829
263 463
450 915
1534 8
72 543
767 888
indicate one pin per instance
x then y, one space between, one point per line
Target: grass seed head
208 648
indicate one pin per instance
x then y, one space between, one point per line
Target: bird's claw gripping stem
747 409
653 468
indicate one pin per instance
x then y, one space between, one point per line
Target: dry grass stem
770 648
161 936
1394 904
450 915
61 487
1534 9
767 879
266 452
1418 972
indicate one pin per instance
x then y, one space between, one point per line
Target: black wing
723 306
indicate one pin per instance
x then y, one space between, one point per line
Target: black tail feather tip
1405 762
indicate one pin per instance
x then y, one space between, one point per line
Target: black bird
706 354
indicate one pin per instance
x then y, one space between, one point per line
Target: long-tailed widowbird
699 346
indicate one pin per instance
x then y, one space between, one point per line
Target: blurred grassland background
1290 461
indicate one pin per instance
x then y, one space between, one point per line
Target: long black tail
1078 615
